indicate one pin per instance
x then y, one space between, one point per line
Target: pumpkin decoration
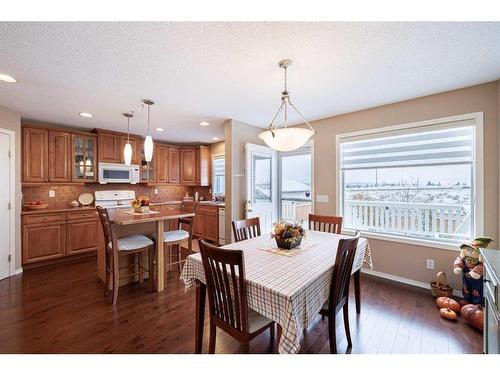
473 315
448 314
449 303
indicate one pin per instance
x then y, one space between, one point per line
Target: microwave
118 173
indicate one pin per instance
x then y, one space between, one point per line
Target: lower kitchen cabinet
206 223
58 235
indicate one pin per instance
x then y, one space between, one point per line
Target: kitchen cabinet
173 165
83 157
83 232
491 291
136 149
147 169
206 223
203 163
188 165
162 164
108 148
59 156
35 151
44 238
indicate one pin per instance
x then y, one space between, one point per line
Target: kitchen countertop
48 210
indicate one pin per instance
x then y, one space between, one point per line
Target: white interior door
5 217
262 185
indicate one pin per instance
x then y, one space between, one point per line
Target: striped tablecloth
288 290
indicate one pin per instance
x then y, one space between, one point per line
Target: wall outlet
156 191
430 264
52 193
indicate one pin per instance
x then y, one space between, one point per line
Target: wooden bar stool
246 228
136 245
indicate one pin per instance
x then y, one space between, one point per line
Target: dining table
157 216
286 286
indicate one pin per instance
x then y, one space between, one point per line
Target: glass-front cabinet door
147 168
84 152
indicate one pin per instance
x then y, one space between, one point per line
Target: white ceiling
217 71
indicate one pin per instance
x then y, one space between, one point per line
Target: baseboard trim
404 280
18 271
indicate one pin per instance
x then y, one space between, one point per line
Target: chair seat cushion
175 235
133 242
256 321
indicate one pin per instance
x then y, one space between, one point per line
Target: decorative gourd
448 314
449 303
473 315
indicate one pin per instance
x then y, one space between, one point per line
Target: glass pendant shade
286 139
127 153
148 148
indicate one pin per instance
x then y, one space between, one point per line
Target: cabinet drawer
83 215
47 218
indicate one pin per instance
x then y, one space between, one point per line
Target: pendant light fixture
286 138
127 150
148 142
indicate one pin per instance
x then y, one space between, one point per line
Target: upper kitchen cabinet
136 149
35 154
83 157
173 165
59 156
147 169
108 150
203 163
188 165
195 165
162 164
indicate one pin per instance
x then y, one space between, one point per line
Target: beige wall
398 259
236 135
12 121
218 148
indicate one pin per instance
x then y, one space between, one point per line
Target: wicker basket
440 287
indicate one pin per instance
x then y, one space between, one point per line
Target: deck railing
295 209
421 219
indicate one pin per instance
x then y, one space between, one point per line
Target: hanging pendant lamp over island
148 142
286 138
127 150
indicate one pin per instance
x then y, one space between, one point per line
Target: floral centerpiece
141 204
288 235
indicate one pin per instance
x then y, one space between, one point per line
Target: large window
414 182
295 175
218 168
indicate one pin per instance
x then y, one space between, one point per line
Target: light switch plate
52 193
156 191
430 264
322 198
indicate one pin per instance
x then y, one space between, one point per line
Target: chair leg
151 255
141 275
357 291
278 338
331 334
271 330
179 258
246 346
107 267
116 278
346 325
211 344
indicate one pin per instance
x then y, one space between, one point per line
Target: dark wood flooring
61 309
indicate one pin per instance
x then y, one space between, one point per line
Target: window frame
214 157
477 181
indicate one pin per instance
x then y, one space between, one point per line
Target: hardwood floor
61 309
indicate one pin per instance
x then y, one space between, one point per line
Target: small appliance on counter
118 173
114 198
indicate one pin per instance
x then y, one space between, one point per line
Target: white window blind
218 168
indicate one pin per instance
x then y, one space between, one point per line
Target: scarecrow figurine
470 265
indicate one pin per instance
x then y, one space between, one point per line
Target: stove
114 198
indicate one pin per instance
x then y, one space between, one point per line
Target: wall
398 259
12 121
236 135
218 148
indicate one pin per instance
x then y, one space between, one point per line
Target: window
416 182
295 175
218 168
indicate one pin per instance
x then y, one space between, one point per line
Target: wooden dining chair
339 290
227 297
333 224
246 228
175 238
323 223
116 248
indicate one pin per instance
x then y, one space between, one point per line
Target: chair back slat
323 223
106 226
225 280
342 269
246 228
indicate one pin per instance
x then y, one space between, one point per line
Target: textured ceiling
216 71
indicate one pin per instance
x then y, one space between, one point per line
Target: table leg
200 315
160 256
357 292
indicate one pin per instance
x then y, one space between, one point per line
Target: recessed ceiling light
160 129
215 138
204 123
86 114
7 78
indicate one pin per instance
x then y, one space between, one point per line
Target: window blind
429 145
219 165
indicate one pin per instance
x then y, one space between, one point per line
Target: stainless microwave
118 173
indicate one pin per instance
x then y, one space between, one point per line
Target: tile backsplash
67 193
